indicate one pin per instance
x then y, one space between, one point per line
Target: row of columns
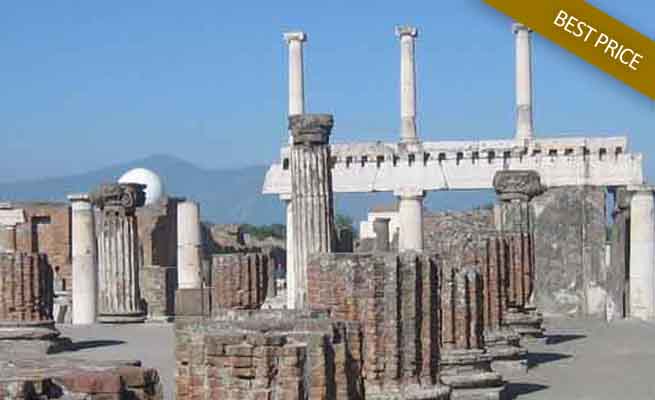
91 273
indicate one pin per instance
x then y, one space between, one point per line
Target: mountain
225 195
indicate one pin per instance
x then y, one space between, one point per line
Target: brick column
313 213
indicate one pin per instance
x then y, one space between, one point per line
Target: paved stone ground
585 360
579 359
153 344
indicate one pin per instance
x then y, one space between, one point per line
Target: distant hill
225 196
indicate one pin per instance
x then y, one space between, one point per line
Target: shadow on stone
535 359
87 344
513 390
557 339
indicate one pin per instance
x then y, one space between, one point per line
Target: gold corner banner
591 34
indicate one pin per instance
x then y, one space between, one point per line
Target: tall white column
296 79
295 42
407 35
410 213
642 254
189 246
85 264
524 124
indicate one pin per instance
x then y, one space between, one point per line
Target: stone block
192 302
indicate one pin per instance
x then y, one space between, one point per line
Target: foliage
264 231
343 221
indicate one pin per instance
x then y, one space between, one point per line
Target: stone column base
525 322
127 318
22 338
437 392
508 357
469 374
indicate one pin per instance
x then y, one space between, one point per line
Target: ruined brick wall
157 231
439 226
25 288
157 234
47 230
268 356
63 378
242 280
158 291
395 298
570 236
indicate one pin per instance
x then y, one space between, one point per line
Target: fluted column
295 42
119 297
410 215
188 246
313 214
85 264
524 120
407 35
642 252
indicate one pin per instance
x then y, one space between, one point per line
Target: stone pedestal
188 245
119 299
410 212
642 252
381 229
313 214
524 122
85 262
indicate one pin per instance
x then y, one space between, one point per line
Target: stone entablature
388 167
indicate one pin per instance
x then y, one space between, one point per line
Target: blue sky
88 84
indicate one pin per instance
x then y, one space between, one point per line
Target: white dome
154 185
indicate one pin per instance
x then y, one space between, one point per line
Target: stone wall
47 230
242 280
570 236
77 379
157 233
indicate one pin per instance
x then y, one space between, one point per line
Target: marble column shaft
524 120
642 252
410 214
85 264
407 35
189 246
381 229
295 42
313 214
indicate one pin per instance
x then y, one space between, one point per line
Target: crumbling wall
242 280
47 230
25 288
157 233
570 236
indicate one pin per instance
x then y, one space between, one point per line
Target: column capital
514 184
295 36
75 197
311 129
518 27
405 30
409 193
